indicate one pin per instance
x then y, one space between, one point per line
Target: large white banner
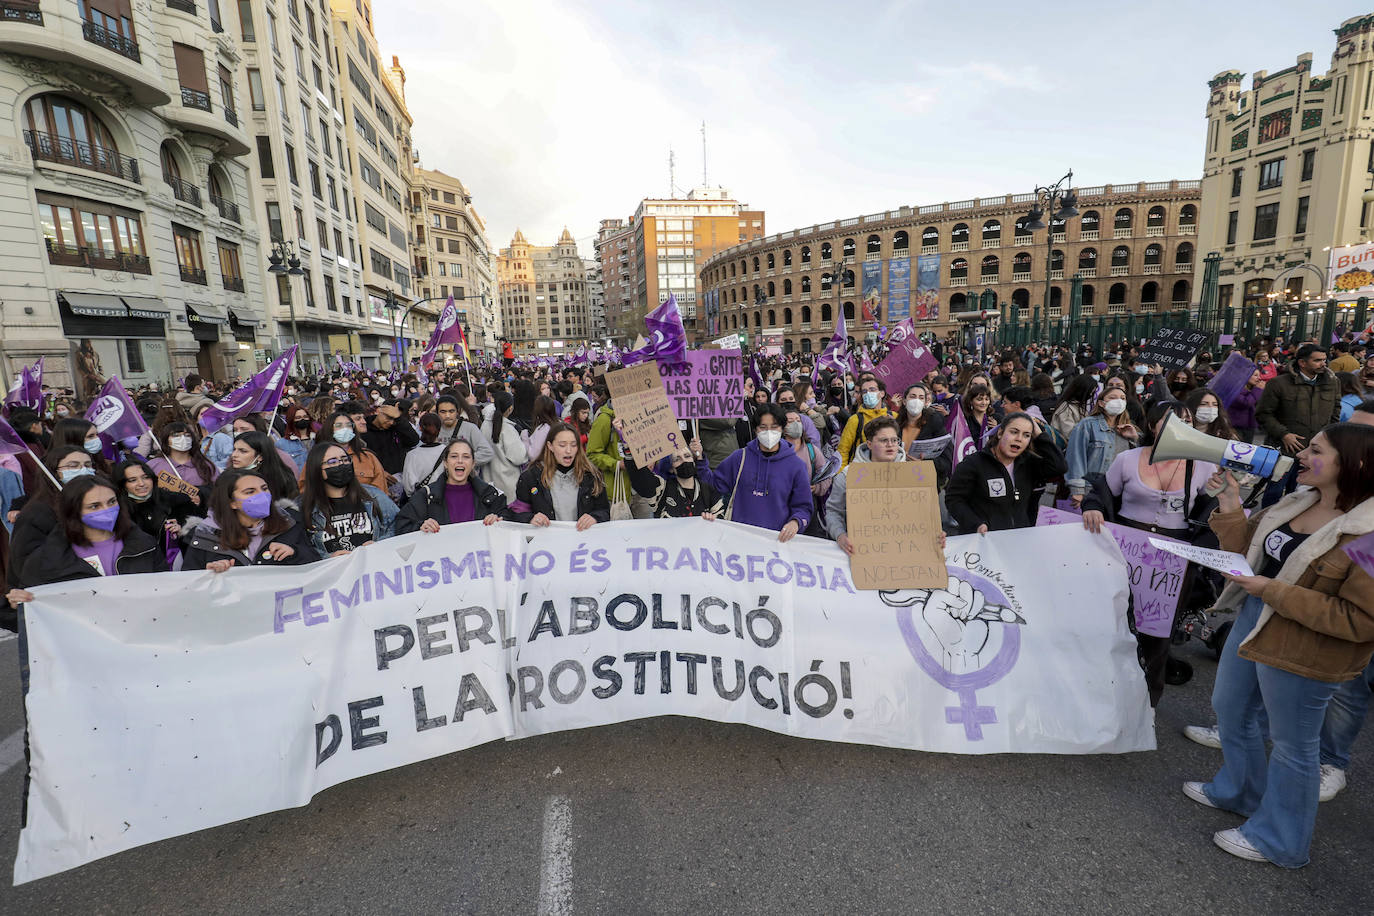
164 704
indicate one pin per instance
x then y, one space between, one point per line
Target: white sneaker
1234 842
1333 781
1207 736
1194 791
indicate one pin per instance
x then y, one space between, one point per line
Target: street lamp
283 260
1061 200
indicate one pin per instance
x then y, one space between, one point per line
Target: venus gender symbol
958 621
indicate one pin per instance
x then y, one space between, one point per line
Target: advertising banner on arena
927 304
872 291
168 703
898 289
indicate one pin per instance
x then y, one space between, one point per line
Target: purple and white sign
908 362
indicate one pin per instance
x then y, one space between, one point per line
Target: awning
95 305
145 307
208 314
245 318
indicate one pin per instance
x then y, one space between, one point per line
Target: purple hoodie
1241 410
773 489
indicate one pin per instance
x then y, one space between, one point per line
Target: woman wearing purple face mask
93 537
244 527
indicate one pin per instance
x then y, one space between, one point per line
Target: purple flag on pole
1231 378
261 393
115 416
834 356
667 340
10 443
446 331
28 388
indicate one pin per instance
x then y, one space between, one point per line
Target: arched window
170 169
849 311
825 282
900 242
787 345
787 317
874 245
1121 256
218 188
1124 219
1149 293
1180 296
1187 217
1183 256
1058 225
991 267
64 130
1021 298
787 287
959 233
930 237
732 268
1154 219
772 318
806 254
1154 255
957 302
1087 260
1090 222
826 249
806 285
770 260
758 293
787 257
734 297
1056 260
743 267
771 289
1021 263
958 269
756 263
826 314
1021 234
1117 294
992 232
848 248
1056 298
806 344
1089 297
758 319
806 314
848 279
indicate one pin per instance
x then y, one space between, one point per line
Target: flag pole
170 463
44 468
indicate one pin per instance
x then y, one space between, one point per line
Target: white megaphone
1178 439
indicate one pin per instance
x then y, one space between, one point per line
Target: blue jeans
1276 490
1277 794
1344 716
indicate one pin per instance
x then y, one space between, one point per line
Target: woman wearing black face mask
673 486
343 513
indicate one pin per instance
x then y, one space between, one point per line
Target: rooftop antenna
672 180
704 183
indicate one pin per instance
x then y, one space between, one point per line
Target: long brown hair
1354 442
232 534
581 466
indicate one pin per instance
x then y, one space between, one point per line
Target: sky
563 113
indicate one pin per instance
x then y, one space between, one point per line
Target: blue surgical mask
92 446
1141 370
70 474
870 399
344 436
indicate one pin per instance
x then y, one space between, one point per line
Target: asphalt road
680 816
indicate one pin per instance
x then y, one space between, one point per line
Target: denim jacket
1093 445
382 510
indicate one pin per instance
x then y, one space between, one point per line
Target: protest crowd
315 465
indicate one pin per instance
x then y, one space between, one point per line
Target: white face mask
1206 414
769 438
1115 407
915 405
179 443
1139 387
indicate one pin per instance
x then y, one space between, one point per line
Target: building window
195 89
1270 174
291 164
1236 175
329 302
63 130
1300 226
1232 226
333 194
315 188
1309 164
1266 221
189 256
274 226
283 289
265 165
246 20
231 270
255 92
91 234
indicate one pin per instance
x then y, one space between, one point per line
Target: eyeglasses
885 441
336 462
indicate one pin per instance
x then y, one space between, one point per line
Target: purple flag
28 388
115 416
446 331
834 355
10 443
667 340
261 393
1231 378
964 443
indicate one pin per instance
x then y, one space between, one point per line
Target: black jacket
31 528
200 545
56 561
981 493
391 444
531 491
428 502
153 514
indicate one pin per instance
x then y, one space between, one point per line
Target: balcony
193 275
1178 304
930 249
1022 277
1154 269
992 243
958 246
98 34
1057 274
1120 233
101 258
231 116
21 11
231 283
1154 232
1183 267
1187 228
80 154
1088 235
958 281
227 208
194 98
1060 236
186 6
1120 270
1087 273
183 191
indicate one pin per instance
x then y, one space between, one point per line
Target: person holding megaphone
1305 626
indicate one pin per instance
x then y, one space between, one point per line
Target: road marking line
6 637
11 751
555 869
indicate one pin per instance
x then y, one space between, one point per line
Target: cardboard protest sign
640 403
906 364
1231 377
1223 561
169 481
708 384
893 514
1173 349
1156 576
1361 550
